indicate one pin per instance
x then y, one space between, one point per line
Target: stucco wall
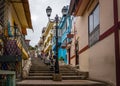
118 10
72 62
98 60
119 41
102 60
72 51
84 61
82 30
106 15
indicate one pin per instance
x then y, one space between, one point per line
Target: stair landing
40 75
59 83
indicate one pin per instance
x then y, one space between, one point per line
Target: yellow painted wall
15 18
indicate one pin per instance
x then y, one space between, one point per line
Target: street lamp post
64 12
56 58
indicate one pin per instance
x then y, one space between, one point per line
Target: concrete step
50 74
40 74
40 71
47 69
39 78
50 77
43 67
73 77
59 83
66 71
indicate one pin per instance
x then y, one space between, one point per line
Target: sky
39 17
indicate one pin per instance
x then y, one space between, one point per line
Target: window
93 22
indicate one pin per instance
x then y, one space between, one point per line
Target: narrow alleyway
40 75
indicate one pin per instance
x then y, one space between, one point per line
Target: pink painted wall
98 60
119 41
118 10
82 33
73 62
102 60
106 15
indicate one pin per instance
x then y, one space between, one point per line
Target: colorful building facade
65 28
96 31
48 40
14 20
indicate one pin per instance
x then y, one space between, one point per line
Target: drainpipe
116 36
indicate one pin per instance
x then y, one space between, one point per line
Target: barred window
93 21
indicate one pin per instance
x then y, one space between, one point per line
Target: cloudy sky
39 17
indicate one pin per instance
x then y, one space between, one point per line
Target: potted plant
61 60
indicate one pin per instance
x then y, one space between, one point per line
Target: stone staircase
41 75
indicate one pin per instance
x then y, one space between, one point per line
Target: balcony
48 36
24 45
48 46
70 35
64 44
13 49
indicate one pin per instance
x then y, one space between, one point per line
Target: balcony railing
7 78
70 35
49 45
24 43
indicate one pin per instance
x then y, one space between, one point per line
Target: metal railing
7 78
24 45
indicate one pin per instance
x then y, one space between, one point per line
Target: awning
23 12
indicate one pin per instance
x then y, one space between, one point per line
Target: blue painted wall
66 24
63 53
67 29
